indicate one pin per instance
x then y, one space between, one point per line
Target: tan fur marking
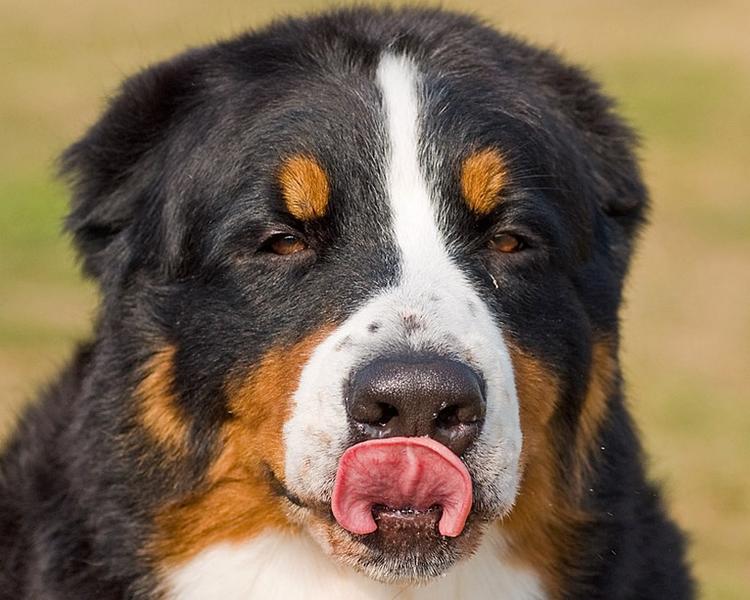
159 412
236 501
483 176
543 525
602 377
304 187
539 526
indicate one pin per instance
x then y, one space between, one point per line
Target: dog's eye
284 244
506 243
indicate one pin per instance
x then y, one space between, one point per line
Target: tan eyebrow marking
483 177
304 187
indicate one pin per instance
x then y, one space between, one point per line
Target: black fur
173 196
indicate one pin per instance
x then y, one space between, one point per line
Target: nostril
387 412
448 417
470 413
372 412
457 414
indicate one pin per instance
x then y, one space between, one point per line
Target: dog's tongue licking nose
401 473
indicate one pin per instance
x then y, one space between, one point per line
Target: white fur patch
277 566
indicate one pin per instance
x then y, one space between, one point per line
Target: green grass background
681 70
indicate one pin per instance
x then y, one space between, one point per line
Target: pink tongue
401 472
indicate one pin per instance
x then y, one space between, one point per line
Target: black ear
612 163
115 169
613 158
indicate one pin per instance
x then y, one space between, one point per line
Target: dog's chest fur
280 566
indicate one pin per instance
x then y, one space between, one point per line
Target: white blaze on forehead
413 220
432 291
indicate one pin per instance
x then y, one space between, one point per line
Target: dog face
424 354
332 233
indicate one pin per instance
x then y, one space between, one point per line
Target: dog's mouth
400 484
406 502
404 522
401 508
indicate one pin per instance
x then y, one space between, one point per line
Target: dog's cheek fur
539 526
158 410
235 500
551 509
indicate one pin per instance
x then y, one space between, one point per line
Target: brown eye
505 242
284 244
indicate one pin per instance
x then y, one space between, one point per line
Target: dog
360 279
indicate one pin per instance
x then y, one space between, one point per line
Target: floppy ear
115 170
612 164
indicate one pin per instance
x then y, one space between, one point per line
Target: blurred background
681 72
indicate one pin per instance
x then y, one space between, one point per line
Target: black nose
418 396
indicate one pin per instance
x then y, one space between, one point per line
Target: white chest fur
278 566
